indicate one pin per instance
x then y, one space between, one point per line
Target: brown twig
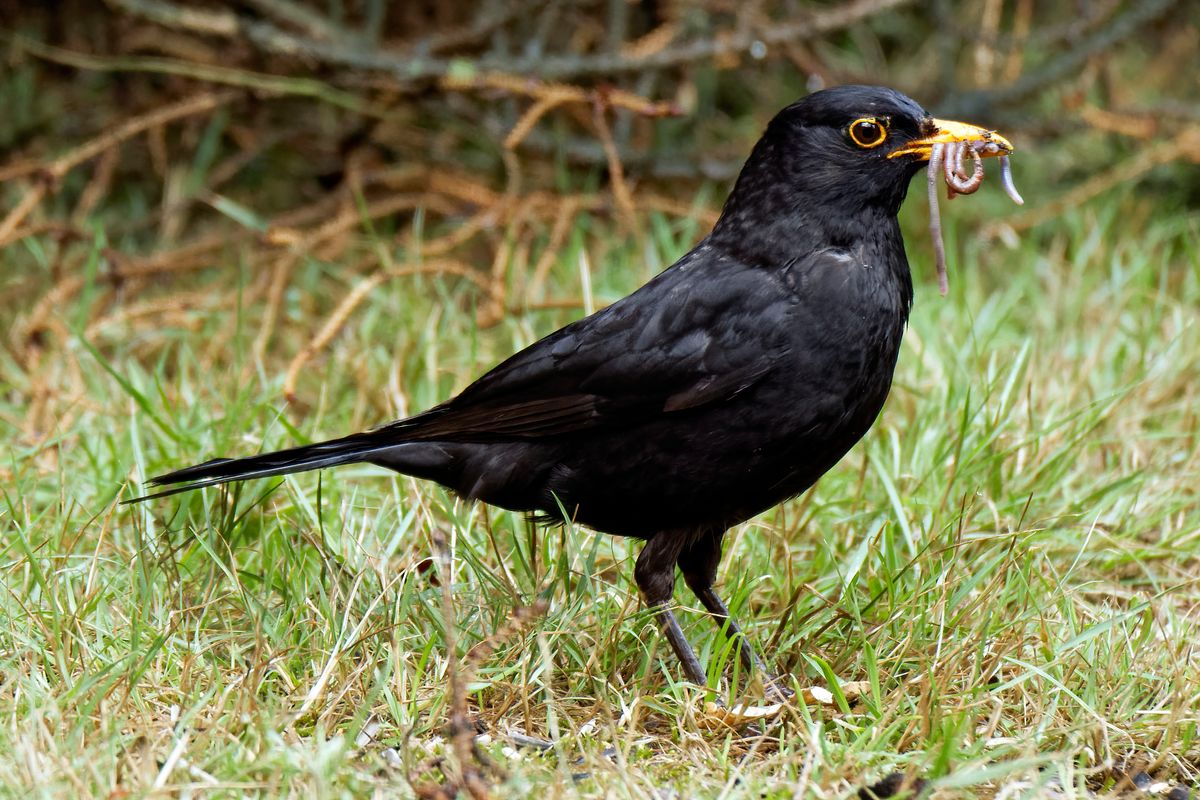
338 317
653 42
209 22
531 116
410 68
303 18
985 52
567 211
29 201
193 256
491 311
281 272
1184 145
197 104
616 171
486 24
37 421
262 83
51 175
1138 126
562 92
1021 26
473 765
98 186
657 202
1067 63
156 307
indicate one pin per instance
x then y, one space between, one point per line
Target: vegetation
1004 570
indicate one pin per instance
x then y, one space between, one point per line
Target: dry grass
1009 561
1006 566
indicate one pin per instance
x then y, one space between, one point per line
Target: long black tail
351 449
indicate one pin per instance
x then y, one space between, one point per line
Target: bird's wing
699 333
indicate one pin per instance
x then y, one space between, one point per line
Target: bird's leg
655 577
698 564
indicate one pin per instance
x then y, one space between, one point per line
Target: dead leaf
717 715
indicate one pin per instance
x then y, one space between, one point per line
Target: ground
1005 568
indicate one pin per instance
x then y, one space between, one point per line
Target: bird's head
842 157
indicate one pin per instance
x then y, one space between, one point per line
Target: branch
411 68
51 174
978 103
479 30
303 18
213 23
1122 174
261 82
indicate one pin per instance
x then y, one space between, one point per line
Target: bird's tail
351 449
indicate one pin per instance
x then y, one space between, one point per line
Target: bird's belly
718 466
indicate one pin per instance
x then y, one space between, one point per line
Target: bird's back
711 394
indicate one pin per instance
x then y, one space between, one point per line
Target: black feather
728 383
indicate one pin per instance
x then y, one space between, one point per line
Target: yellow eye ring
868 132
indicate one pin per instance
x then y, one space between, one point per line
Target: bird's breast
844 337
848 319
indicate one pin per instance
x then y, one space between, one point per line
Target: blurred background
167 158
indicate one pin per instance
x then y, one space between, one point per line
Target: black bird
727 384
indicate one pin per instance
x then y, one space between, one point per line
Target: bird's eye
868 132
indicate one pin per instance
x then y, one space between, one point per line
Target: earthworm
951 151
1006 180
947 161
957 180
960 154
936 153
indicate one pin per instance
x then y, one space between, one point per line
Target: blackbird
730 382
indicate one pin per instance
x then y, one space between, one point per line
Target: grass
1008 561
